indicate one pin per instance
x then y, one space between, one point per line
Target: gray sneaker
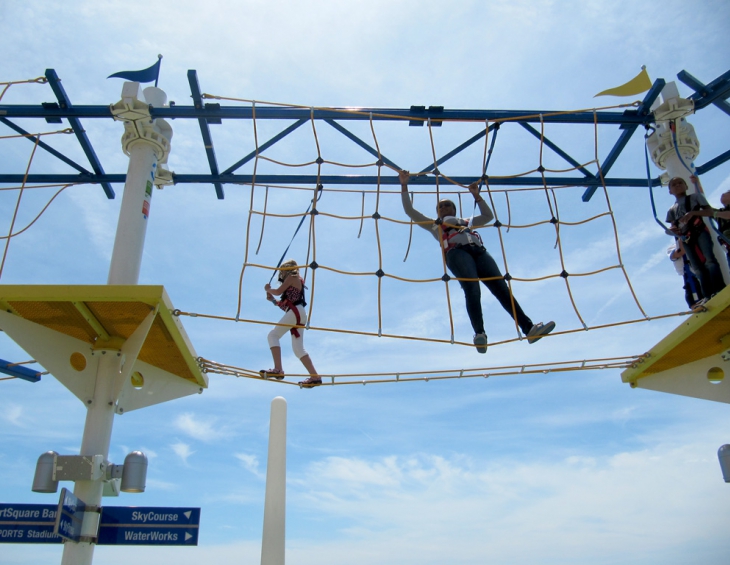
480 340
539 330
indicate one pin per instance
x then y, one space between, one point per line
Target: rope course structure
541 180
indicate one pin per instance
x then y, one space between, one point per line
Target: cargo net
378 298
384 294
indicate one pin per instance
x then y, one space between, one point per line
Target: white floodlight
134 475
44 470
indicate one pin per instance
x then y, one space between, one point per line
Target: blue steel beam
205 131
283 113
311 180
263 147
702 90
19 371
45 146
712 163
355 139
473 139
65 103
559 151
643 111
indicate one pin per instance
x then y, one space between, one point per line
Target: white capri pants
297 343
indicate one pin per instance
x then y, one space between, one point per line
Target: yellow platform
694 359
105 316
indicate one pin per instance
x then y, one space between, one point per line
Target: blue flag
145 75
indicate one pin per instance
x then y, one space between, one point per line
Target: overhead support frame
629 120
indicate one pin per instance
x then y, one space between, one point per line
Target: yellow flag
640 83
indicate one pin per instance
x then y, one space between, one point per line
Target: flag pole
159 64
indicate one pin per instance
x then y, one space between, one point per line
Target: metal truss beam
355 139
705 92
472 140
43 145
65 103
205 131
331 180
628 120
263 147
378 114
644 111
559 151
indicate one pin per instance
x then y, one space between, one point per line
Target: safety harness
292 298
451 228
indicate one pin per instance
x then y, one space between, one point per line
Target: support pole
274 536
147 142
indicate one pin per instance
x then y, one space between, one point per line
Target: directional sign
70 516
137 525
28 523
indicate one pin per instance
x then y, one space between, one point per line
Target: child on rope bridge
697 243
467 258
292 302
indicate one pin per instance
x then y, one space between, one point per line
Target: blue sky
552 468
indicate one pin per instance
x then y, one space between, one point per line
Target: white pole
144 153
132 226
274 536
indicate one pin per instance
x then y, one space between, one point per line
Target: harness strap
286 305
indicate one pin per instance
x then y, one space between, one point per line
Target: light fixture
134 475
44 471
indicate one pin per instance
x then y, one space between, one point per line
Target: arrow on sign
187 536
188 513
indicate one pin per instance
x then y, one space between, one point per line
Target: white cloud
250 463
197 428
13 414
182 450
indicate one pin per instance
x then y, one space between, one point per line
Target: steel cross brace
205 131
642 110
714 93
65 103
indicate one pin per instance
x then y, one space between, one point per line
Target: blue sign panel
28 523
137 525
70 516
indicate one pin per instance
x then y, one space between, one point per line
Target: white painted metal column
274 536
147 142
672 108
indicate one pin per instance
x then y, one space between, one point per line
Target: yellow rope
39 214
17 205
613 220
7 85
350 111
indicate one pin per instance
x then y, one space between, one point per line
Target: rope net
533 239
379 213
